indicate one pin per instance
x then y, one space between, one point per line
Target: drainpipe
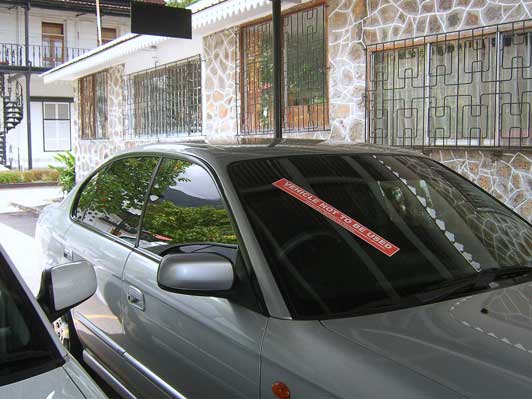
277 70
28 80
98 23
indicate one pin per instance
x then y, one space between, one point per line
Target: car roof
224 154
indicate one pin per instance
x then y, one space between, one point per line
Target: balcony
13 56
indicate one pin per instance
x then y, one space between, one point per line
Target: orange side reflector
280 390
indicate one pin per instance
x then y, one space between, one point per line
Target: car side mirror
66 286
205 274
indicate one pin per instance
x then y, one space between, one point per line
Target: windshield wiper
472 283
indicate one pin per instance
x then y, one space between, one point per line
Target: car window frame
225 203
246 259
103 168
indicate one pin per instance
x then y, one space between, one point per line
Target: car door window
112 200
185 213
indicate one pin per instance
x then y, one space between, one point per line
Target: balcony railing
39 56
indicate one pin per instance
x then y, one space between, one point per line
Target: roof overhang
118 8
208 16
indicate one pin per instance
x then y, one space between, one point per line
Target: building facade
57 32
450 79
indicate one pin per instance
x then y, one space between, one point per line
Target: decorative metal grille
461 89
165 101
93 106
305 97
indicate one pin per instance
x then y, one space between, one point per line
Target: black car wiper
472 283
24 356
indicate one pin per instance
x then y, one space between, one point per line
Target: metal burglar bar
165 101
471 88
304 81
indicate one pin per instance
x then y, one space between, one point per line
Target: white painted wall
80 32
171 50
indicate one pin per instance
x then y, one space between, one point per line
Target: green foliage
182 224
11 177
67 172
29 176
179 3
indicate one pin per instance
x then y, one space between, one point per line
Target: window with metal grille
165 101
304 80
93 106
461 89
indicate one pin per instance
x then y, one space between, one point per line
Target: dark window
93 106
108 35
445 227
165 101
53 43
112 200
305 97
185 213
26 349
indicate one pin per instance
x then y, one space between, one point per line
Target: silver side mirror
66 286
206 274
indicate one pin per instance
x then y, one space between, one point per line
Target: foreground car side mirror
205 274
66 286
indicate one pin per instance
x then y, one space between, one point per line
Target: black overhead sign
160 20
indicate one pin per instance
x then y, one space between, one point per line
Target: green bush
29 176
67 172
11 177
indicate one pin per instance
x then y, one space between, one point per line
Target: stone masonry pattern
351 25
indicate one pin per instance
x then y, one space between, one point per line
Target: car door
106 217
200 347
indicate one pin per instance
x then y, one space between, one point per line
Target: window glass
93 106
185 213
108 34
445 227
165 100
56 126
112 200
472 89
304 73
25 346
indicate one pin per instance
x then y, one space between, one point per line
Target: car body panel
193 343
67 381
53 384
480 353
198 345
316 363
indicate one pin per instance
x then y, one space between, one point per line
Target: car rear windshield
342 231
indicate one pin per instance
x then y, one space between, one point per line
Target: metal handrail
39 56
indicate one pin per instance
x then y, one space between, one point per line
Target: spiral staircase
11 111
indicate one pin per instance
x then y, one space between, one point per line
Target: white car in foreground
33 364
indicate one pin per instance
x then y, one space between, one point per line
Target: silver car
33 364
296 272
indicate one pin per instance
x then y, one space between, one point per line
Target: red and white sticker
338 217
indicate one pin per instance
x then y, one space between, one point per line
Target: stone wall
219 84
90 153
505 175
347 69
